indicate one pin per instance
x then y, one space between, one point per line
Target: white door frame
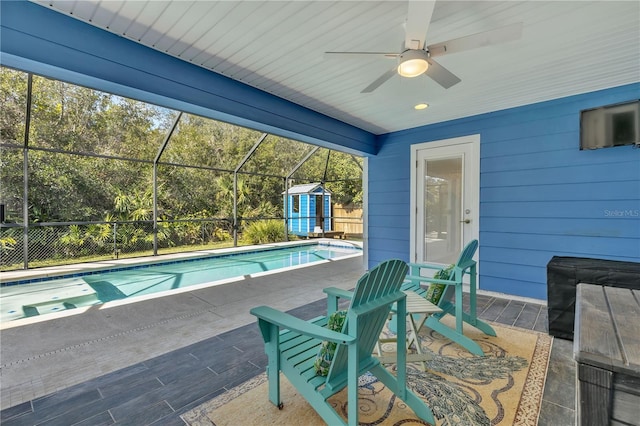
472 195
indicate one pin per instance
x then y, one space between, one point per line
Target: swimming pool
28 298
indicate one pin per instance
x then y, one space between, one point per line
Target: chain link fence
11 252
54 244
65 243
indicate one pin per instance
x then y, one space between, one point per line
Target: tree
91 156
13 104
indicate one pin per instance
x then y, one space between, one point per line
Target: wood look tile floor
159 389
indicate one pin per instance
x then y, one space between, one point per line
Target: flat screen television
611 125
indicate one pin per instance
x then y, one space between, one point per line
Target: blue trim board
39 40
540 195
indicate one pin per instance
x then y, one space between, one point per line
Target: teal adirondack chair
451 301
292 344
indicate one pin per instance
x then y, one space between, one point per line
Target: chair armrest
425 265
409 284
284 320
334 294
385 300
431 280
464 265
338 292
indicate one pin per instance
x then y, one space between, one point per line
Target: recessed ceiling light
421 106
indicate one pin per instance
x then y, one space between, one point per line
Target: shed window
296 204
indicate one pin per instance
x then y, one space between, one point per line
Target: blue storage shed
307 210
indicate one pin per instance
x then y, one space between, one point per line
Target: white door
445 188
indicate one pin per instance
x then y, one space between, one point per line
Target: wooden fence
347 219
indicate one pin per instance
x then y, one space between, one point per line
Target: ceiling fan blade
499 35
380 80
359 54
441 75
418 20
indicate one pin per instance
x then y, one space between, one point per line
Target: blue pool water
80 290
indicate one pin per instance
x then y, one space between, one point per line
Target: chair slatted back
372 300
467 253
465 260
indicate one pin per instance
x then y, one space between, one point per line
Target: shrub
220 234
264 231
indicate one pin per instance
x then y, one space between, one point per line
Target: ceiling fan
416 57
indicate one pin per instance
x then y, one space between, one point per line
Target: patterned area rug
503 388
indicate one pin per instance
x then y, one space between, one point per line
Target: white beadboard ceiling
567 47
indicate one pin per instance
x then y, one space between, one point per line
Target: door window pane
443 200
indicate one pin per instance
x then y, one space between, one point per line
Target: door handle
466 221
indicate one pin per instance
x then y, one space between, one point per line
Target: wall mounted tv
611 125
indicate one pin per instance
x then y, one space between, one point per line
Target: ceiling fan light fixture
413 63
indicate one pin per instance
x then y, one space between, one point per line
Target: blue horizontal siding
515 272
381 220
562 192
388 208
568 174
540 195
530 144
526 256
388 204
551 159
626 249
541 126
570 226
394 251
511 286
391 233
395 197
595 209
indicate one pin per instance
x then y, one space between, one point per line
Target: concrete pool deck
43 356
